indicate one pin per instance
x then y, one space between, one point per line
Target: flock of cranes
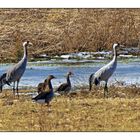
45 89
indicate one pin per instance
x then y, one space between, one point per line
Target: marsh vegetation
61 31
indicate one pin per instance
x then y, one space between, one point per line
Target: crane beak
121 47
30 44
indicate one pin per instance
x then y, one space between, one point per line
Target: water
36 72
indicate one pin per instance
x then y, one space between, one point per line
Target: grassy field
82 111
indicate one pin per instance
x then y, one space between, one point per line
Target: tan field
82 111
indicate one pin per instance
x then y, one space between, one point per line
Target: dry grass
58 31
83 111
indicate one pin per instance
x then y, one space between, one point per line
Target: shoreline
64 61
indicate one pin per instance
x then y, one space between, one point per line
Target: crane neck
25 52
115 54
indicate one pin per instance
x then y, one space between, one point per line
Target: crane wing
105 72
15 72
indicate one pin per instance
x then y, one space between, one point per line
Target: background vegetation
58 31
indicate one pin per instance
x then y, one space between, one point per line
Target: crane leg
17 88
105 89
14 88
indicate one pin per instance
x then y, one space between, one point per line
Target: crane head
116 45
27 44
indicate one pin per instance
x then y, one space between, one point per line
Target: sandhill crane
15 73
47 95
65 87
105 72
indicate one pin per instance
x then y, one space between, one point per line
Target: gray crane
47 94
104 73
15 73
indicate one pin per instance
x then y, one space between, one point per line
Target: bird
41 86
15 73
46 96
65 87
2 81
104 73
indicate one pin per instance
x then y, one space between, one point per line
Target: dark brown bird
41 86
47 95
65 87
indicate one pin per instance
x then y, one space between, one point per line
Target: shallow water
127 71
